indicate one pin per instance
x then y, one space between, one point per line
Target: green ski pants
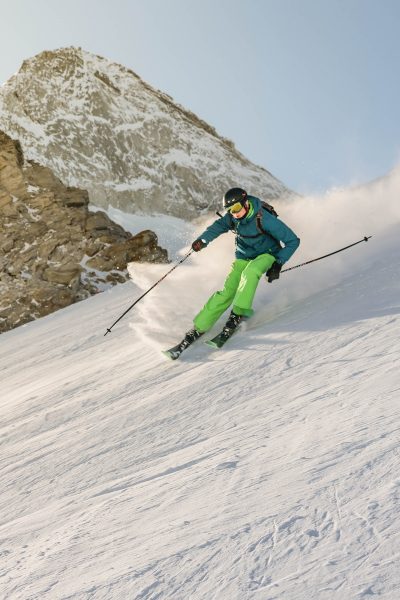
239 289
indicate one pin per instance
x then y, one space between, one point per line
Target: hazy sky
309 89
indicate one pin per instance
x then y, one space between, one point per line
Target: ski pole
149 290
365 239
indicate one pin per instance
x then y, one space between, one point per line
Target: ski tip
213 344
170 355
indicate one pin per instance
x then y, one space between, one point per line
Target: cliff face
53 250
97 125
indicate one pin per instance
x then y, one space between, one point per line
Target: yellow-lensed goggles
235 208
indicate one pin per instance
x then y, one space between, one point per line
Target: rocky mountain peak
100 127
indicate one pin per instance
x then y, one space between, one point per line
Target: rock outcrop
53 250
100 127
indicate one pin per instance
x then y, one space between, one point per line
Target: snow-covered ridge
100 127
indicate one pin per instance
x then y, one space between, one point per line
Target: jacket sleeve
284 234
219 226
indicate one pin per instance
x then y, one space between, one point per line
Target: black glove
198 245
274 272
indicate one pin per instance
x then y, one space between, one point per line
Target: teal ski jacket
250 242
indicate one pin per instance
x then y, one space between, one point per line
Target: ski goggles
235 208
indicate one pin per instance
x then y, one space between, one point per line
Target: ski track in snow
266 471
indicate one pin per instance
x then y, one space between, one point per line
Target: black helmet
233 196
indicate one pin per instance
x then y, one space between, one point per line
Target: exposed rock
5 199
98 221
54 251
66 274
141 248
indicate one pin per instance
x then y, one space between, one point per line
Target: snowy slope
268 470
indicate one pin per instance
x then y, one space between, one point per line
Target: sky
308 89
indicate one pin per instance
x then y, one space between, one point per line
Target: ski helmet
233 196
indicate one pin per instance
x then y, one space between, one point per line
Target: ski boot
191 336
229 329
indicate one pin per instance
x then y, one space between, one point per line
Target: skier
258 250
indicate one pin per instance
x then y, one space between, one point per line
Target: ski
218 341
175 352
230 327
